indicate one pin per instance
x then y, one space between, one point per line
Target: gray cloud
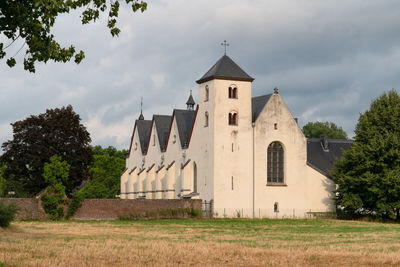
329 58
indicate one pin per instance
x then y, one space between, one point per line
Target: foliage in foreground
320 129
32 23
7 213
37 138
368 176
56 175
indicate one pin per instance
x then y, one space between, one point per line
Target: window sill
276 184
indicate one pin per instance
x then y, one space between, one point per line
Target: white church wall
276 123
201 144
232 146
124 180
320 191
135 157
131 183
174 153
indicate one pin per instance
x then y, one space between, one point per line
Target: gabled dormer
140 136
159 131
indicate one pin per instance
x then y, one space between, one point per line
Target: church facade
246 154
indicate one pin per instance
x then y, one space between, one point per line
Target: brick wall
29 208
103 209
109 209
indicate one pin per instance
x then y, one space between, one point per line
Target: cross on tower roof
225 44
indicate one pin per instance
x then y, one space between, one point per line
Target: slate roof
257 105
163 123
143 127
225 69
184 120
190 101
323 160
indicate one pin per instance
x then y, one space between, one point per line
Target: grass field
201 243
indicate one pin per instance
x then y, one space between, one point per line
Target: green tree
2 181
368 176
106 171
32 22
35 140
321 129
55 173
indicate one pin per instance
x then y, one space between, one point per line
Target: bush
7 214
75 204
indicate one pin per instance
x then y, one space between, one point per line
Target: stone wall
103 209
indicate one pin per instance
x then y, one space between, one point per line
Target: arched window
194 177
232 91
233 118
275 163
206 119
206 94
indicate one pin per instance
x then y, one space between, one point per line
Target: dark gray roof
184 120
143 127
163 124
190 100
323 160
257 105
225 69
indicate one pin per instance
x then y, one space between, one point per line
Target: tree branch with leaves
32 21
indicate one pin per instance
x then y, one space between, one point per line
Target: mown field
201 243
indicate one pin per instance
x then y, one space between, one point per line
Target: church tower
225 119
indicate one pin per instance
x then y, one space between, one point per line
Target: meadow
225 242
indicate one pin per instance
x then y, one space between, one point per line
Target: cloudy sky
328 58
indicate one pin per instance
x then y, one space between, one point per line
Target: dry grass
201 242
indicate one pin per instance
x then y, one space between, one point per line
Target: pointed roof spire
190 103
225 69
141 117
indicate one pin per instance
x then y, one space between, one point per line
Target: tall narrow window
154 139
194 177
206 94
275 161
233 118
206 119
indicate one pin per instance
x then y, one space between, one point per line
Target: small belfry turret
141 117
190 103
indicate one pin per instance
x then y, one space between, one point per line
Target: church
247 155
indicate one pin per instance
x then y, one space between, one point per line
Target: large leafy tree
36 139
32 22
320 129
368 176
106 171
